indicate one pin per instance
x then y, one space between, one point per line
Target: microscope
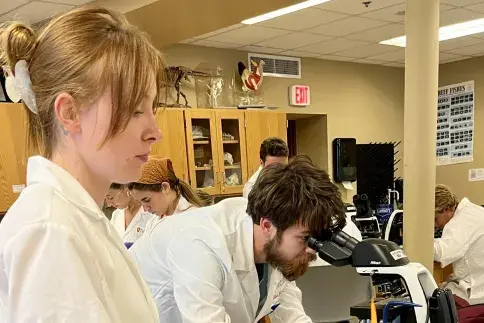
407 292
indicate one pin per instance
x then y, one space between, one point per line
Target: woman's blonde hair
445 200
84 53
159 170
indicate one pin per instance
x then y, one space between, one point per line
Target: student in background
161 192
461 244
129 218
272 150
90 82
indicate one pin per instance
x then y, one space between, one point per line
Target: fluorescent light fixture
283 11
445 33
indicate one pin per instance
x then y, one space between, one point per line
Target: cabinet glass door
232 157
202 150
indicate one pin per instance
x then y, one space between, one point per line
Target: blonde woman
461 244
90 83
129 218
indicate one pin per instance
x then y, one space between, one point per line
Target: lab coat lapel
241 246
276 284
136 219
118 221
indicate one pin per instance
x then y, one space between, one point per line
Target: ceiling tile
187 41
395 64
478 7
444 57
262 50
480 35
455 16
248 35
303 19
294 40
366 51
336 58
7 5
297 53
208 43
394 56
378 34
460 3
353 7
71 2
346 26
369 61
391 14
396 13
474 50
219 31
332 46
460 42
37 11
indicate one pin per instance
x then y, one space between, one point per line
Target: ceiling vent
277 66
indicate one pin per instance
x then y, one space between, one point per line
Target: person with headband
461 244
161 192
129 218
90 82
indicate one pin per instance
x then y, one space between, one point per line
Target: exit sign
299 96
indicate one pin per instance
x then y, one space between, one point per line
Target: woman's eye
136 113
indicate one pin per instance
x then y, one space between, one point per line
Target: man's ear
267 227
67 114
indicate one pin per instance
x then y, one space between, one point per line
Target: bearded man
236 261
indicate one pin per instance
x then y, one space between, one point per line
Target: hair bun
17 42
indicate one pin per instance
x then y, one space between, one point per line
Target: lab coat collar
463 203
42 171
182 205
243 253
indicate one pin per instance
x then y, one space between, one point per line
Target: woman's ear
66 113
166 187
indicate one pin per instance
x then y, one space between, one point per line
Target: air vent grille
278 66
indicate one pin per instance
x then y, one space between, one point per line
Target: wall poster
455 124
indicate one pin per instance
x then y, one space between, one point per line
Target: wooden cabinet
13 152
172 144
216 150
259 126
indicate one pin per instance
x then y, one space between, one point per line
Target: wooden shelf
230 141
204 168
201 142
232 166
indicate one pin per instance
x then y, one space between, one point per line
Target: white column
421 85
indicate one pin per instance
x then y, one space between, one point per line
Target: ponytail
189 194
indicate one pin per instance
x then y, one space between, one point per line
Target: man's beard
290 269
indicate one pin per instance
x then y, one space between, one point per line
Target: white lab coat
462 244
62 261
250 183
200 268
182 206
136 227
